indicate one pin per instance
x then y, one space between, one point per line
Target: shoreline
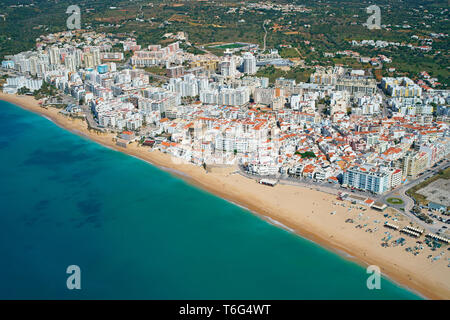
277 206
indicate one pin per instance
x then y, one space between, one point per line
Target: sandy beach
305 211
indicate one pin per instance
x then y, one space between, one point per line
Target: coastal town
343 133
340 128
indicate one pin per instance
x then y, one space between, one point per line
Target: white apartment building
249 63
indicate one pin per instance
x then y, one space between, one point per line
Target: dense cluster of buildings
13 84
285 8
355 82
214 110
384 44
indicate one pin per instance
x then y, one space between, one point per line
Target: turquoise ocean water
137 232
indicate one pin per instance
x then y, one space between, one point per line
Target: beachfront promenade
336 189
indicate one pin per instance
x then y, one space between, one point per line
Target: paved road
265 33
90 118
384 106
400 192
323 186
408 203
205 50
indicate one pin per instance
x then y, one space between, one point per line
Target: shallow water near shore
138 232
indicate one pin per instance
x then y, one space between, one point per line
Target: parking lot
438 191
